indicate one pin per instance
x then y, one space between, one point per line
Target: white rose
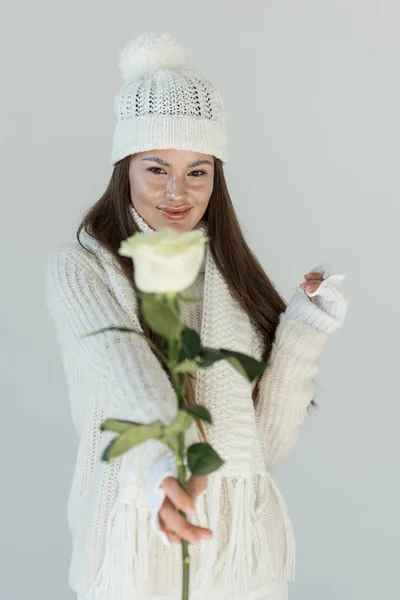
165 261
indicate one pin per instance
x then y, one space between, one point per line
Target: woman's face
163 181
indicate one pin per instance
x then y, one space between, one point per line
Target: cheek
147 188
199 198
201 186
201 192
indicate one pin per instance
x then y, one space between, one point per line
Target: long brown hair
110 221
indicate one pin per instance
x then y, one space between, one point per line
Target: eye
155 170
201 173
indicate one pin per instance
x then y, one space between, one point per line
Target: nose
175 189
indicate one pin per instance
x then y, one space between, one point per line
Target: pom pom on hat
148 53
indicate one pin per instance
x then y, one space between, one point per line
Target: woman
168 156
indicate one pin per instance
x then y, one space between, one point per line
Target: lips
175 214
175 211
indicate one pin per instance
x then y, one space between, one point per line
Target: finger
314 275
170 534
311 287
312 280
308 285
178 496
179 526
196 485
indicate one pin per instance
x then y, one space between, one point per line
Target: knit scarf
224 391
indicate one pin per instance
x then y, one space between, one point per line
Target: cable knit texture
117 552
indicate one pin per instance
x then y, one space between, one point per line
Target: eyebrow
165 163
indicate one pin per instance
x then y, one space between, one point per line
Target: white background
312 97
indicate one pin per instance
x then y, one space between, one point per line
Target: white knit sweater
118 552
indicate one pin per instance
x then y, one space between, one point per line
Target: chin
180 227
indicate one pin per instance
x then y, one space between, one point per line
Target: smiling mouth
175 210
175 213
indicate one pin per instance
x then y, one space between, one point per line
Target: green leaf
180 424
172 300
248 366
160 316
133 436
187 366
172 442
165 347
199 411
117 425
202 459
190 343
209 356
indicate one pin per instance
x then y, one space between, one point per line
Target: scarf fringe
247 553
125 574
208 548
264 565
234 566
124 571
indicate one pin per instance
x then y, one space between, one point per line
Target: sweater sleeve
80 301
287 387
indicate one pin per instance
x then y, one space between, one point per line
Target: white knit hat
163 104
